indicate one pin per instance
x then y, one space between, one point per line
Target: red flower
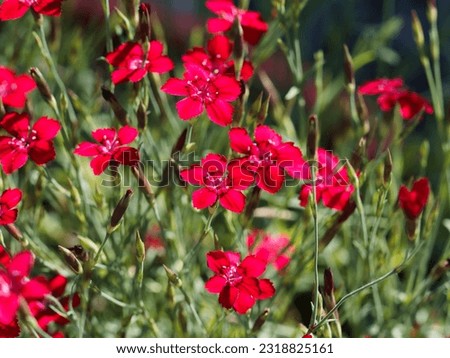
11 330
333 186
111 147
220 180
13 89
9 199
15 284
13 9
252 24
216 59
274 250
35 143
204 92
268 157
42 311
391 92
413 202
237 282
133 63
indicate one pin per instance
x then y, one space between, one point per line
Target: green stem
99 251
316 249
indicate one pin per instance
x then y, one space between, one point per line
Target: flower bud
173 277
328 282
348 67
143 31
71 260
313 137
387 167
119 210
261 320
419 37
119 111
140 247
42 85
141 115
16 233
238 48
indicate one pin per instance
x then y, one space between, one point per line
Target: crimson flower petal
188 108
233 200
46 128
220 112
123 53
240 140
193 175
13 161
266 134
228 296
16 124
228 88
12 9
100 163
87 149
266 289
215 284
11 197
252 266
35 290
175 87
41 152
8 216
127 134
270 178
219 47
8 307
243 302
48 7
203 198
218 25
21 264
104 134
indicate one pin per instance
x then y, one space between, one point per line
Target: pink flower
333 185
204 92
413 202
14 89
268 157
252 24
392 92
274 250
15 285
9 199
45 316
220 180
217 59
35 142
237 282
133 63
13 9
111 147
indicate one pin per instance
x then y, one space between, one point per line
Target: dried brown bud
328 282
71 260
119 111
261 320
80 253
120 209
143 32
387 167
313 137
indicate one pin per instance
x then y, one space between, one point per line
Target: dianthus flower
111 147
392 92
333 185
237 282
216 58
14 89
220 180
9 200
204 92
413 201
268 157
275 250
13 9
35 143
133 63
252 24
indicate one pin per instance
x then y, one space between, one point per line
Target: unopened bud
119 111
143 32
256 106
238 48
410 228
42 85
358 154
71 260
313 137
173 277
440 269
328 282
140 247
16 233
348 67
432 11
387 167
182 319
119 210
419 37
252 204
261 320
141 115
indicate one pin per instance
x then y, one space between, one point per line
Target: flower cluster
391 92
20 292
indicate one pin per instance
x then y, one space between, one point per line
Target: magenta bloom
35 143
111 146
15 284
220 180
9 200
217 59
275 250
268 157
333 185
237 282
252 24
413 201
14 89
45 316
202 91
13 9
133 63
391 92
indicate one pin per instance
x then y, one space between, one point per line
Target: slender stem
194 311
315 311
99 251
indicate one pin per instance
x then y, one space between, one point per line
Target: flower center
232 275
136 63
5 289
108 145
19 143
29 3
216 182
202 90
5 88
